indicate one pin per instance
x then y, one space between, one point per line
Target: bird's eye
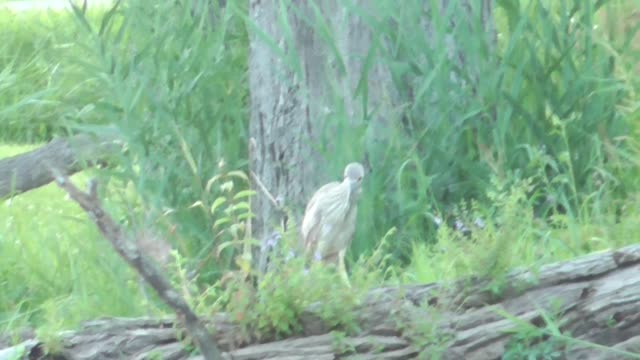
360 178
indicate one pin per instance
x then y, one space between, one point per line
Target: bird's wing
314 214
341 240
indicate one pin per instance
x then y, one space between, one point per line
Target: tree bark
30 170
595 298
292 96
302 89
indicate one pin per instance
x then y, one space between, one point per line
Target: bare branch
265 191
144 266
29 171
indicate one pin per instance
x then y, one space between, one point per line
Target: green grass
56 268
41 90
183 114
517 239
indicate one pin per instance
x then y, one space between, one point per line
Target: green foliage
541 100
230 215
41 91
534 135
173 83
427 335
267 305
496 246
340 345
273 307
514 237
535 339
283 295
57 270
532 344
49 334
542 338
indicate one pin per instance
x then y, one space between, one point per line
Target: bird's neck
354 193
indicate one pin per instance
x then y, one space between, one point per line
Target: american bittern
330 218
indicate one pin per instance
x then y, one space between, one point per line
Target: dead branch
29 171
146 268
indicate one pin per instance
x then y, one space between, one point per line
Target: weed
428 336
532 344
340 343
544 141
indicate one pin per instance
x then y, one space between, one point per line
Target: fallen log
594 302
30 170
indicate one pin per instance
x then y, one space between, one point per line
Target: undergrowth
56 268
488 242
520 173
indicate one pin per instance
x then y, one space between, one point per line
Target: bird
329 220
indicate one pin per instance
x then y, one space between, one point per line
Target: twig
26 171
132 255
277 204
274 201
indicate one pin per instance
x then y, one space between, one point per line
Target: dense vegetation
540 143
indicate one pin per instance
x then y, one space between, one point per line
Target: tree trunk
292 95
31 170
595 298
302 89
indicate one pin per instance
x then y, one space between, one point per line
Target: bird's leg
342 268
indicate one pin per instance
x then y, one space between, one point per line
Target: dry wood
29 171
595 299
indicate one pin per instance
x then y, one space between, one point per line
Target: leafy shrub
541 102
172 82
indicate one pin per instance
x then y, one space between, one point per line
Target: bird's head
353 175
